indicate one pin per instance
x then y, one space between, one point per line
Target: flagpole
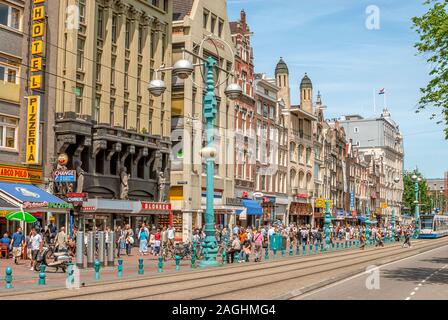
374 101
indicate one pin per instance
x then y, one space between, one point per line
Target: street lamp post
183 69
368 227
396 180
327 224
417 209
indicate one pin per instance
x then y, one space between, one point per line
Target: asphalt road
420 277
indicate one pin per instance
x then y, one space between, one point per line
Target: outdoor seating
4 249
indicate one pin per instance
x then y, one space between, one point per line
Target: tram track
224 279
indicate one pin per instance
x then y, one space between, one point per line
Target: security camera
209 152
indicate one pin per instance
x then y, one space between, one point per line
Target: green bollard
304 249
332 246
120 268
290 250
140 266
70 272
266 254
160 265
337 245
97 267
316 248
283 252
311 249
8 278
42 275
275 252
346 244
177 263
224 255
298 249
322 247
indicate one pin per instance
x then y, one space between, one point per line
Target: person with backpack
258 244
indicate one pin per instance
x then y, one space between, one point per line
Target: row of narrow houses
82 139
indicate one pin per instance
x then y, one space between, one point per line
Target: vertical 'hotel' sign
36 81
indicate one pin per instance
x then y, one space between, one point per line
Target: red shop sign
155 206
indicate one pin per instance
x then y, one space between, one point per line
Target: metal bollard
337 246
346 244
70 273
283 252
97 267
275 252
160 265
316 248
8 278
101 248
298 249
111 250
311 249
120 268
332 246
80 250
322 247
177 263
90 249
290 250
266 254
42 275
304 249
140 266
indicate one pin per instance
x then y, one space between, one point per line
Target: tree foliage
432 29
409 193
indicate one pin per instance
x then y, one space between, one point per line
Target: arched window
292 151
293 178
301 148
302 180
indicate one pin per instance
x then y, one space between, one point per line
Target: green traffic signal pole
393 224
417 210
327 224
210 245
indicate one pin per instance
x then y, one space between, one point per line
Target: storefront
251 214
103 213
300 213
36 201
282 208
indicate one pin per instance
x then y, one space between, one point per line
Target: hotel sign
33 130
37 47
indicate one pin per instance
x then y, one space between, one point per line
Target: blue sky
329 40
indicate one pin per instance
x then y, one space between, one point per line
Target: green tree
432 29
409 193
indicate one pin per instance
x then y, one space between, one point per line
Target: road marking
408 298
364 273
416 288
420 284
412 293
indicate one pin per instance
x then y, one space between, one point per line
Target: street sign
352 200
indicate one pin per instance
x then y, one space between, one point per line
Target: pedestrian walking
143 236
258 244
36 247
17 243
129 238
61 241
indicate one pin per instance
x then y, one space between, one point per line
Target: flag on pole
382 91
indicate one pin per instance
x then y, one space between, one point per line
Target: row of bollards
313 249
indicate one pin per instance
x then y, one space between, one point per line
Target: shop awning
30 196
111 206
5 205
253 208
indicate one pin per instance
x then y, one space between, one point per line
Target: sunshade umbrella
21 216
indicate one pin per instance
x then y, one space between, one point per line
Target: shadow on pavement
437 260
418 274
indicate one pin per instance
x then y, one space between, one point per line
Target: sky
347 60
